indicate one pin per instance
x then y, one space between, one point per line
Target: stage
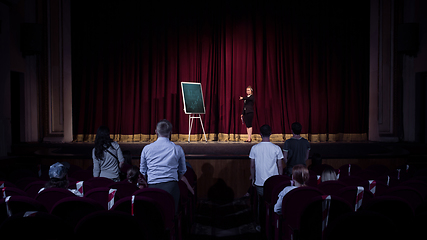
228 161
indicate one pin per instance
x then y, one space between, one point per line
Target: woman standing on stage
248 111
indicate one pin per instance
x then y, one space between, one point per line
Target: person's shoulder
115 144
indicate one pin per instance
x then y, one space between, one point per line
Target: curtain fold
307 62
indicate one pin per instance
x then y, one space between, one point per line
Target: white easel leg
201 122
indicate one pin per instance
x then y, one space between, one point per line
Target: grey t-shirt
297 151
108 167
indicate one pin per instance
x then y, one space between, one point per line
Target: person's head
249 90
300 174
102 141
133 174
58 176
316 160
296 128
265 130
328 174
164 128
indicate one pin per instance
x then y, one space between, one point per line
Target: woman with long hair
248 111
107 156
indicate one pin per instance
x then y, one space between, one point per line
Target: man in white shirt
163 162
266 160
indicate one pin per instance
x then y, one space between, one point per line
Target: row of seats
304 212
153 209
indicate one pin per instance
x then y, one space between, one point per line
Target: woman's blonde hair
252 90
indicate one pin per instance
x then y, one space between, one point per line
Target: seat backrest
361 225
293 204
331 187
19 204
48 197
99 182
73 209
411 195
354 169
350 195
82 175
396 209
109 225
277 189
32 225
34 187
124 189
165 201
100 195
351 180
148 213
12 191
271 182
313 215
418 185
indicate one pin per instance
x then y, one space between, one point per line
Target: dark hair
265 130
296 128
102 141
57 183
133 174
164 128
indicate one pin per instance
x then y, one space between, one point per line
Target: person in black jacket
248 111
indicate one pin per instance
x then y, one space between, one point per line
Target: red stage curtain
307 61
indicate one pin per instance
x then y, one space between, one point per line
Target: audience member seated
300 175
328 174
59 178
134 176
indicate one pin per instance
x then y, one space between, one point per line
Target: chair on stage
73 209
293 204
48 197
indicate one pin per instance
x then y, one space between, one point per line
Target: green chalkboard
192 97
